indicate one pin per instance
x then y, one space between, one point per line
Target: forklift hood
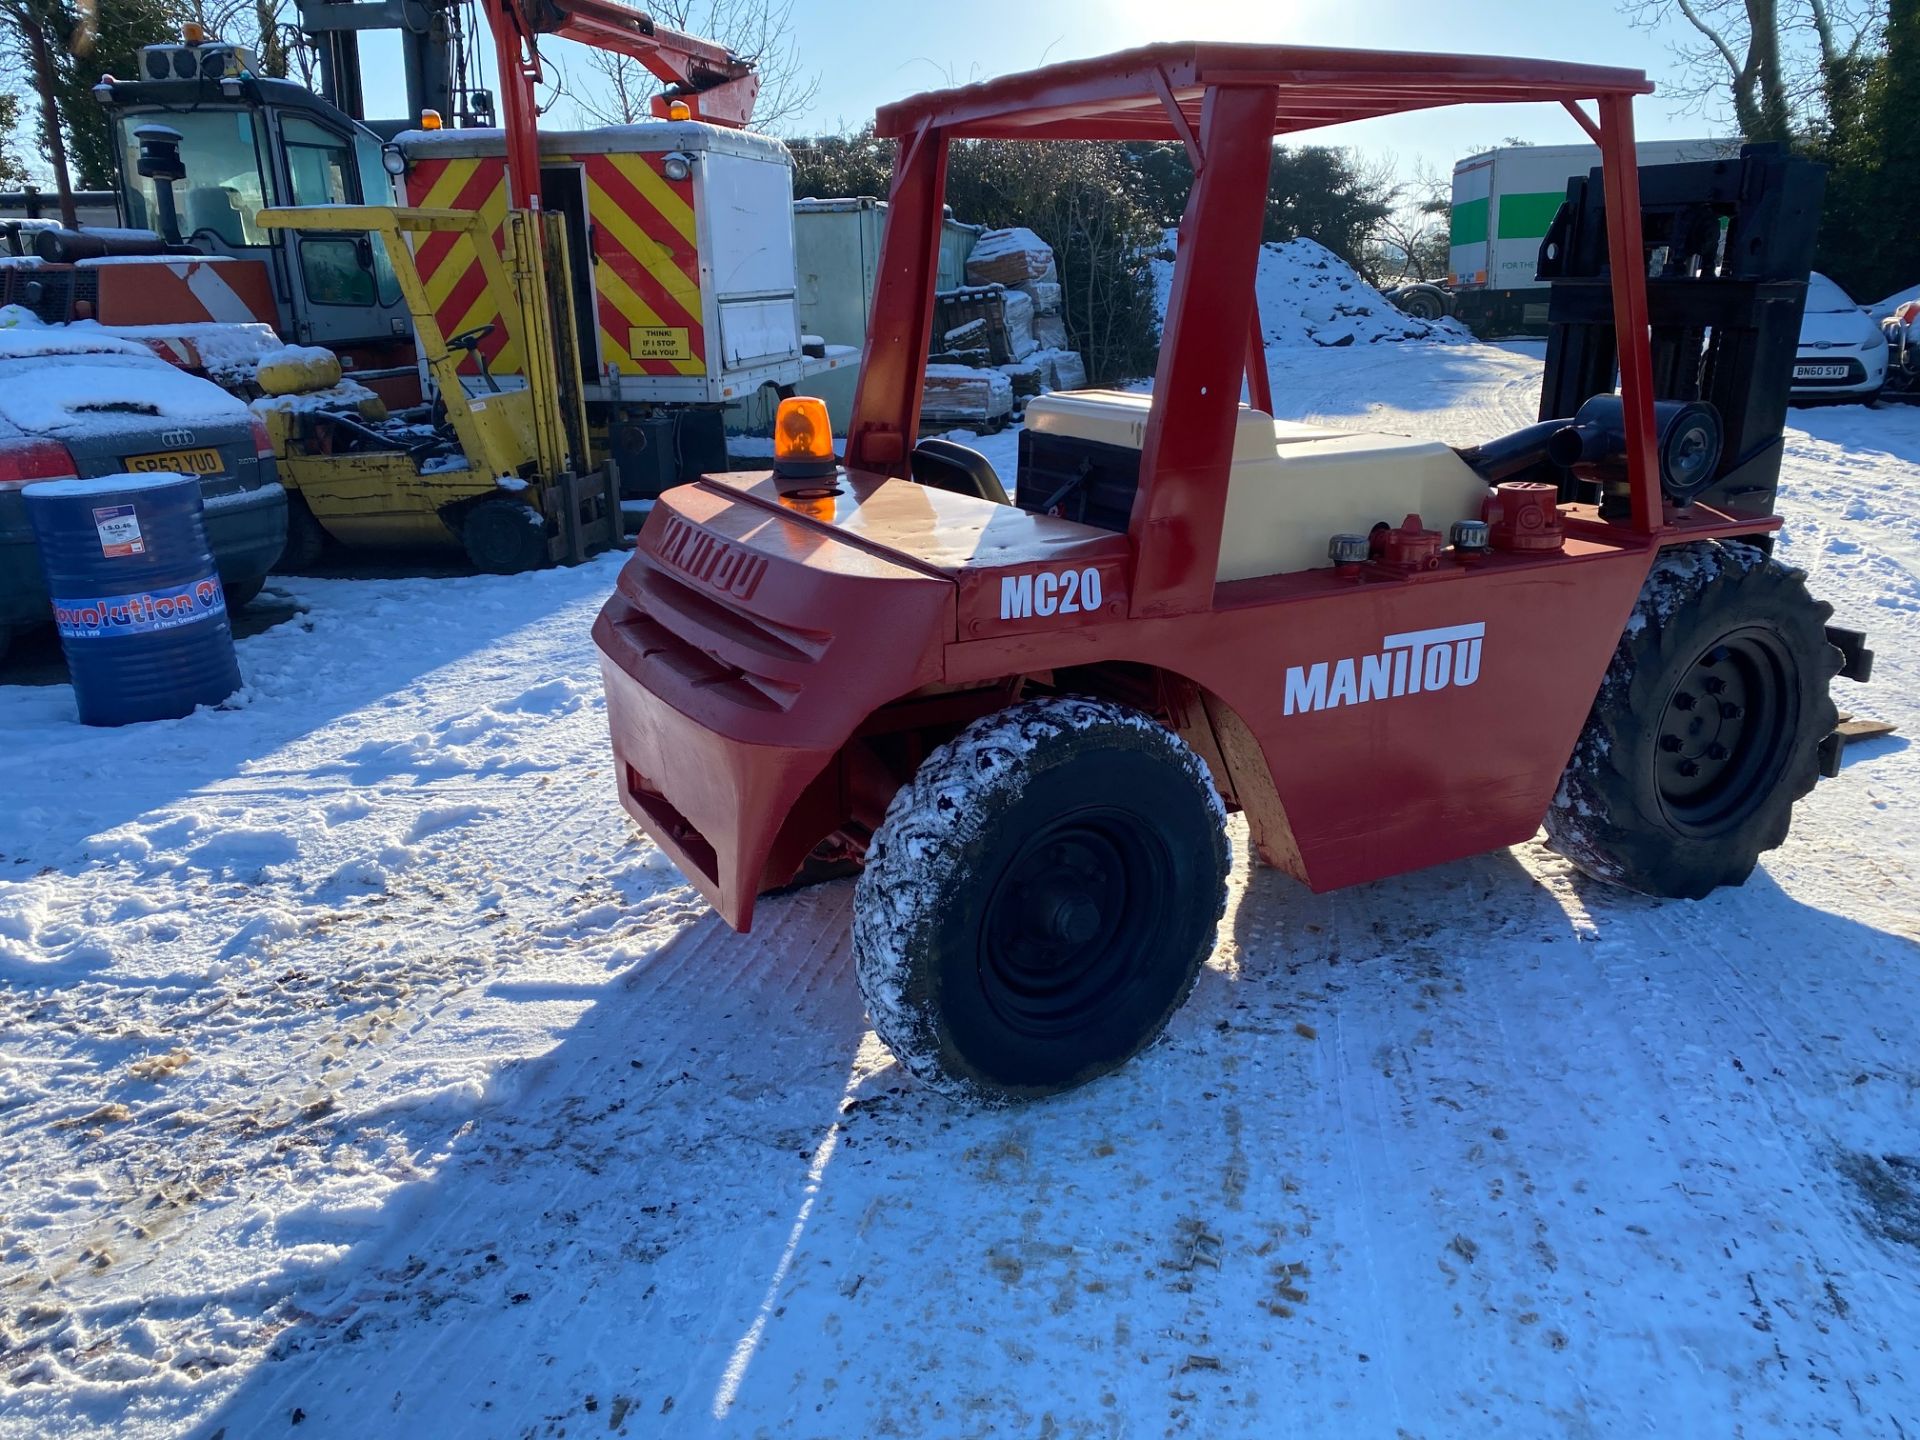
738 650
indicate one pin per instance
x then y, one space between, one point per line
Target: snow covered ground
363 1074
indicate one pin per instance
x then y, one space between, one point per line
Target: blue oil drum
135 595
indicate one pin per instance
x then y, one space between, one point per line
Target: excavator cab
236 142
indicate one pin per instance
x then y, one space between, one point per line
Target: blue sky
867 52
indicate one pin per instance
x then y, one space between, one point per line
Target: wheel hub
1070 922
1722 734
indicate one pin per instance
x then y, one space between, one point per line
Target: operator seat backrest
211 207
1291 488
948 465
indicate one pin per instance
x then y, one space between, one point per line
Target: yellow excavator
504 472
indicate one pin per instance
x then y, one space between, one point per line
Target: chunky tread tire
953 837
503 537
1608 816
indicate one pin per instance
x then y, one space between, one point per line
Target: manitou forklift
1025 719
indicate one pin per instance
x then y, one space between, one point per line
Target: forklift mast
1726 246
434 58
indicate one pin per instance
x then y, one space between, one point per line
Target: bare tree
1781 64
758 30
40 31
1411 241
270 28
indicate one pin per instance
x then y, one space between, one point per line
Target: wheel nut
1073 920
1689 767
1716 751
1670 743
1730 711
1713 684
1683 701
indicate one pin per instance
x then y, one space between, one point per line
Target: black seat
945 465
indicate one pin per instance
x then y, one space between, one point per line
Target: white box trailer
1503 202
681 238
837 263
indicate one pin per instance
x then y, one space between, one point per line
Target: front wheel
1039 899
1707 727
504 537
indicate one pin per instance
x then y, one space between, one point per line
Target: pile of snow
23 336
66 396
229 352
1310 296
347 395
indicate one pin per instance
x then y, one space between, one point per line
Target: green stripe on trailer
1527 216
1469 225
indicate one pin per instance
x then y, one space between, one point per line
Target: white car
1843 353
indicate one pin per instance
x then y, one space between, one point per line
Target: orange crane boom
709 80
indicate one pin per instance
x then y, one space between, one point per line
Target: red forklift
1025 718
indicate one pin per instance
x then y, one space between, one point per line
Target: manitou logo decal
1064 592
727 568
1406 665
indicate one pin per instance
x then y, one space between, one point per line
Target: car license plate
1819 372
183 462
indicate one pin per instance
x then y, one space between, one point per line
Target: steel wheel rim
1724 732
1073 921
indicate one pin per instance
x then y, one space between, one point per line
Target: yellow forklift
504 472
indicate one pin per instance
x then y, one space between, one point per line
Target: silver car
1842 353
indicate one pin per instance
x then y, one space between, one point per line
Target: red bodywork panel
1368 722
751 635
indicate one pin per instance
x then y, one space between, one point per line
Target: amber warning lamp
803 440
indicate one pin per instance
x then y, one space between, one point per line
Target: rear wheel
504 537
1423 302
1707 727
1039 899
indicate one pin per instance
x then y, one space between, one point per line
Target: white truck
1503 202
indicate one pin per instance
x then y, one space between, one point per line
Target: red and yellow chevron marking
646 274
456 285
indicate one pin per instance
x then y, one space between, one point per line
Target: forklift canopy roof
1225 104
1124 96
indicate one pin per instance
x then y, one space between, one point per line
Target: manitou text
1406 665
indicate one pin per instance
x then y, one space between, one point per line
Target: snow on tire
1040 898
1707 727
